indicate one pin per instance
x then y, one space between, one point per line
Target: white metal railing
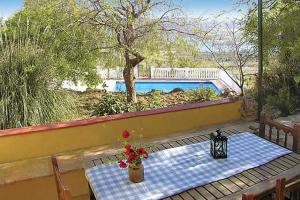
175 73
228 81
184 73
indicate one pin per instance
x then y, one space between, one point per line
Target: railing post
262 124
217 73
280 185
186 71
152 75
296 138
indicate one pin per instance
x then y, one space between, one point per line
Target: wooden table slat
286 160
176 197
251 177
273 166
187 141
205 193
213 190
284 163
257 174
221 188
271 171
181 142
230 185
199 139
167 145
160 147
195 194
186 196
244 179
263 172
237 181
192 140
174 144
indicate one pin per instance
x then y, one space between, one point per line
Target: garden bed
88 100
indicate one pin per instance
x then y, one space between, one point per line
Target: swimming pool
165 86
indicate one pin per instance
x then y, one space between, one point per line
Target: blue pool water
144 87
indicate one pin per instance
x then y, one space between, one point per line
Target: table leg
92 196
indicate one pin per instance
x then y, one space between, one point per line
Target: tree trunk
242 91
242 87
128 74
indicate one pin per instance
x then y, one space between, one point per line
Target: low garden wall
24 152
31 142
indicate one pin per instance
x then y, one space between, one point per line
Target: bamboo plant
28 93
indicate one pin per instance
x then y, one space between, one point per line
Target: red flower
131 157
125 134
145 155
122 164
141 151
126 151
127 146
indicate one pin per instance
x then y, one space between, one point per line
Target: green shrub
153 90
139 106
177 90
155 100
202 94
110 104
284 101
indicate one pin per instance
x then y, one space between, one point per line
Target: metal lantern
218 145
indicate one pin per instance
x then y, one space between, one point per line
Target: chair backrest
267 121
283 187
287 181
248 197
62 190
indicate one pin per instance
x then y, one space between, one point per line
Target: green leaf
297 79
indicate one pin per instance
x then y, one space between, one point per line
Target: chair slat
270 133
62 190
285 139
277 136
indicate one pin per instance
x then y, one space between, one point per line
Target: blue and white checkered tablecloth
172 171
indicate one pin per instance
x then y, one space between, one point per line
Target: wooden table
259 178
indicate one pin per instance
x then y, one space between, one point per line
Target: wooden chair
248 197
62 190
283 187
294 132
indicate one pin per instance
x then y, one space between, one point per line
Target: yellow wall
45 143
43 188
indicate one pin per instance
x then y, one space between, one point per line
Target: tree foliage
281 23
231 49
73 45
281 48
134 27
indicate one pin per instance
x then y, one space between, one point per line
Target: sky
9 7
194 8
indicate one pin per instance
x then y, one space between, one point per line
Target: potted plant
133 156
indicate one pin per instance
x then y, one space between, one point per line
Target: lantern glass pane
218 145
212 149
